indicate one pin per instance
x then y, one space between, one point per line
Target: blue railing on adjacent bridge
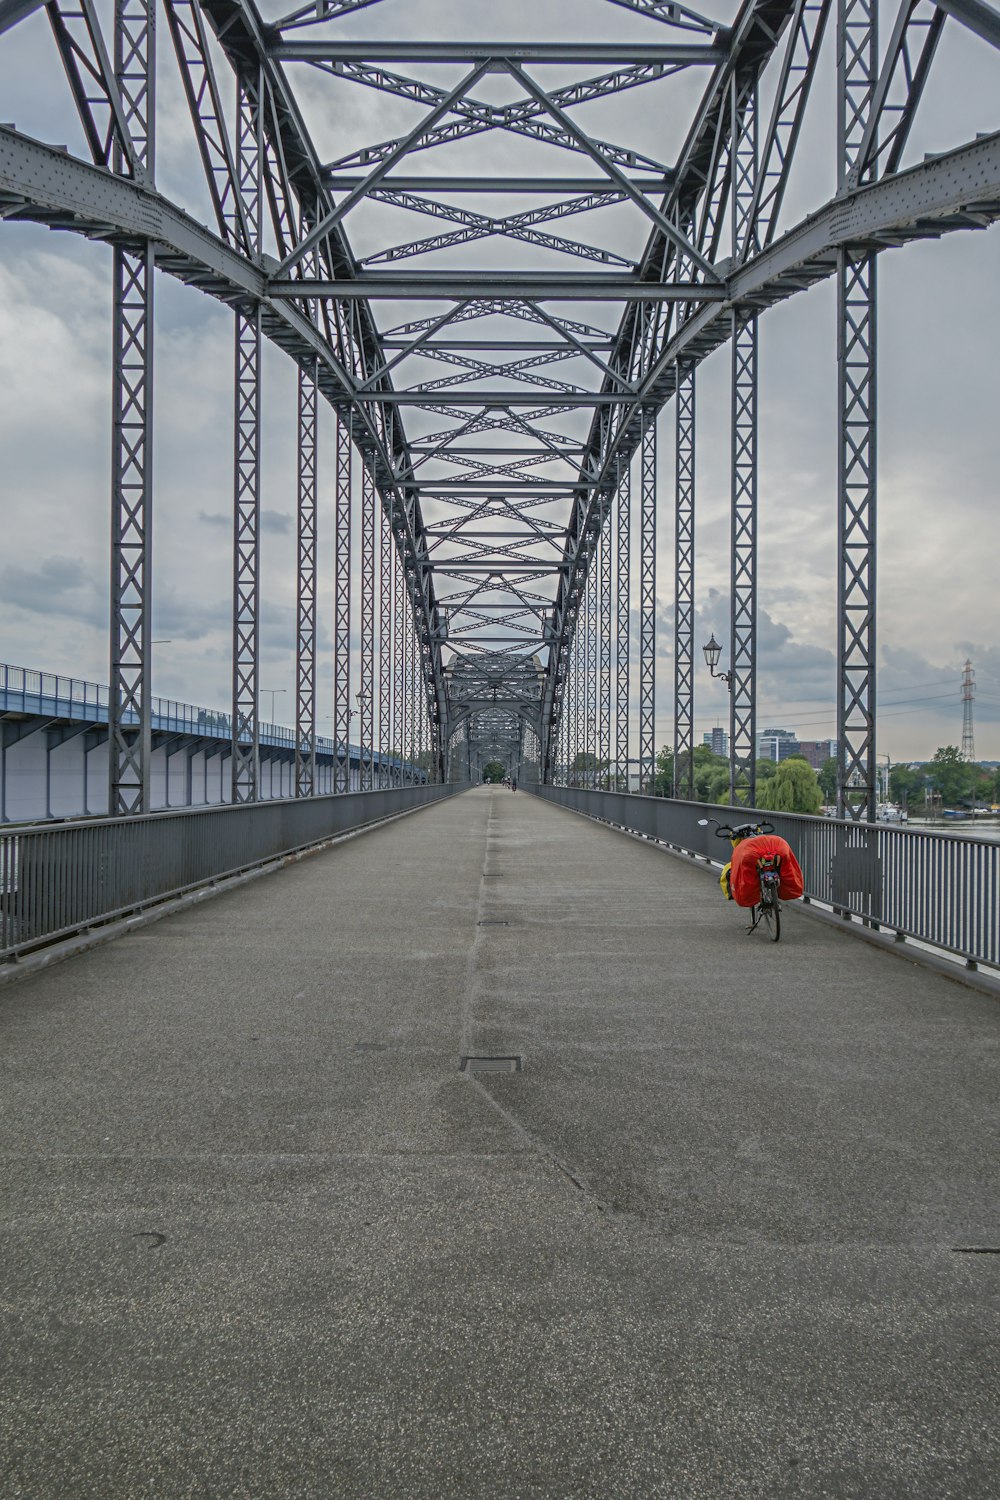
930 887
50 695
51 725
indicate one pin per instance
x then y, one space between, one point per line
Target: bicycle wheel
770 910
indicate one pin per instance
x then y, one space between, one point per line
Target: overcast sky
939 450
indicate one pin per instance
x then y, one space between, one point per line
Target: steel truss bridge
497 377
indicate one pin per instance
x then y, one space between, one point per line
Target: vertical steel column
129 748
857 307
743 553
647 604
593 585
342 608
580 691
366 698
385 662
399 667
305 603
684 585
245 762
624 586
604 622
411 684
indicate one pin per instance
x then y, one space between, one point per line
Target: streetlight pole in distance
274 692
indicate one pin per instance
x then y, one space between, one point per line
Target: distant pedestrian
513 786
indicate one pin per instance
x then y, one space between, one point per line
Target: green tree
793 788
663 780
494 770
587 770
827 778
906 786
950 775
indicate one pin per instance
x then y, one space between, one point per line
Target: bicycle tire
771 912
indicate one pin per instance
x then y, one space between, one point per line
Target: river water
984 830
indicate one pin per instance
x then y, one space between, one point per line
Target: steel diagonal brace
565 330
318 11
91 55
434 327
332 219
614 172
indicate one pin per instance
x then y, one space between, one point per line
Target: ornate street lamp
712 653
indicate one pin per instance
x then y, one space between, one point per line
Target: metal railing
932 887
56 881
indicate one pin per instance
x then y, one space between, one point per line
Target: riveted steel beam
694 54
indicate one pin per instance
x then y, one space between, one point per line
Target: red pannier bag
745 882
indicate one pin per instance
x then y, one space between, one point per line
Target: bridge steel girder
672 317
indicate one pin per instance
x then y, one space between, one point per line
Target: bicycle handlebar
742 831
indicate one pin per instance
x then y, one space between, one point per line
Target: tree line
792 785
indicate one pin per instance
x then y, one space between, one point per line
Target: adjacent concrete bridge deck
263 1239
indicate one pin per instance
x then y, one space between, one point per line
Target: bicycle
767 908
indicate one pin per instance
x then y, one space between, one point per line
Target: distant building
717 740
818 751
776 744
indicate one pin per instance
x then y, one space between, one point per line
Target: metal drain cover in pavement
492 922
491 1065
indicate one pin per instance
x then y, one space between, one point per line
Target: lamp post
274 692
712 653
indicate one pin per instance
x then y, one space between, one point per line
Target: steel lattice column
305 626
385 667
743 565
245 763
743 541
411 683
624 642
684 585
399 666
604 622
246 561
647 604
591 598
366 695
129 747
857 71
342 608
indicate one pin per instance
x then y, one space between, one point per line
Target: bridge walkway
263 1238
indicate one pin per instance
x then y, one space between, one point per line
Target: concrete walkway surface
261 1237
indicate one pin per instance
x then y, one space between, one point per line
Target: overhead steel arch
499 517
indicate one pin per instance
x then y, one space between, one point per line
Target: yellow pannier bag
724 881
